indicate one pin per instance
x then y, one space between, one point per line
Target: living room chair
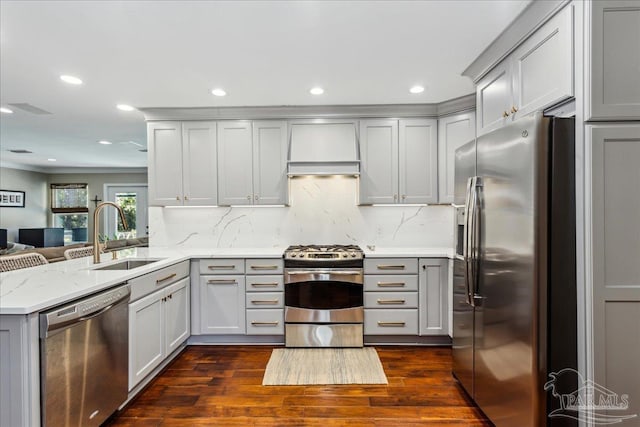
16 262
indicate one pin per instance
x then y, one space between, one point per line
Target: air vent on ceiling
20 151
30 108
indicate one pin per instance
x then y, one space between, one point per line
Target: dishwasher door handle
96 314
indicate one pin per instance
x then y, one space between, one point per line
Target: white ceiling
172 53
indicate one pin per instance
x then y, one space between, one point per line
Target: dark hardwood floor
221 386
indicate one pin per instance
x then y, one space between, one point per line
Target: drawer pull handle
222 281
391 284
265 285
254 323
264 301
391 324
264 267
391 267
391 301
164 279
221 267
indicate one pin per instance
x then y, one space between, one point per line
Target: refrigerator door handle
475 242
467 238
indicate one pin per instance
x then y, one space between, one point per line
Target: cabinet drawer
391 322
264 300
221 266
391 300
265 283
264 266
144 285
265 322
390 282
391 266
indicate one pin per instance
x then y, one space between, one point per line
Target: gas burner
323 253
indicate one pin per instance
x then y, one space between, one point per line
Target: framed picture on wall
11 199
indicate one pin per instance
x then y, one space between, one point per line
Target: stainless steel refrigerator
514 302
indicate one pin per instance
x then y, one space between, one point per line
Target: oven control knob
293 255
353 254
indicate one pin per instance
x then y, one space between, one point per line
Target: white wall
322 211
35 212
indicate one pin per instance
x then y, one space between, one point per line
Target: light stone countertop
40 288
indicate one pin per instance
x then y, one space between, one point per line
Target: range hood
323 147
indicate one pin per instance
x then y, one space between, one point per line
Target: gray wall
36 210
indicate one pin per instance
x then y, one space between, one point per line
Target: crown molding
70 169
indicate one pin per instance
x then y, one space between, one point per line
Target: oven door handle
333 273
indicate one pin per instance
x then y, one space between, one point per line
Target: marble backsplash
323 210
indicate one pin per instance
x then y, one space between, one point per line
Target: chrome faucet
97 247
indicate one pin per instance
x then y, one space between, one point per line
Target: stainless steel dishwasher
84 359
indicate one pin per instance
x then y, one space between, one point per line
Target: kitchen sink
128 264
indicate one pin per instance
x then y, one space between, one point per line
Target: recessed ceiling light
416 89
219 92
125 107
51 160
6 110
72 80
103 142
316 91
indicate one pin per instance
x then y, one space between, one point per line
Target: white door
164 142
199 163
176 315
222 305
494 98
453 132
133 200
379 158
235 163
418 161
269 162
146 336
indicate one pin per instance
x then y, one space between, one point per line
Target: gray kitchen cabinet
434 300
252 162
614 66
222 304
265 296
158 325
399 161
182 163
270 162
379 161
453 132
536 75
613 176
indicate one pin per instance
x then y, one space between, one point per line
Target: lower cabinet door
176 315
265 322
222 304
391 322
434 298
146 336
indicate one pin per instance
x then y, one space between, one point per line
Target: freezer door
505 357
464 168
462 342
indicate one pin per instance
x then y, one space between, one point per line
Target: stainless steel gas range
324 298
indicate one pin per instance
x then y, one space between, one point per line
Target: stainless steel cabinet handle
391 267
391 301
391 324
164 279
264 301
256 197
254 323
391 284
186 198
264 267
265 285
177 197
404 197
221 267
222 281
514 109
248 197
334 273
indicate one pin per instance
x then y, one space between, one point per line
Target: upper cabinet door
453 132
418 161
379 161
199 163
615 60
164 142
543 66
494 95
235 165
270 162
